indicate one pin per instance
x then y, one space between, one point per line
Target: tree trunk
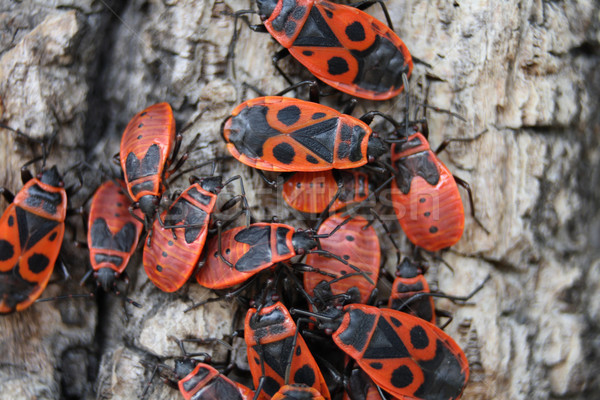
525 73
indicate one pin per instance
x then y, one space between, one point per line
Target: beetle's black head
376 148
303 241
184 366
149 204
410 269
51 177
214 184
105 277
324 295
265 8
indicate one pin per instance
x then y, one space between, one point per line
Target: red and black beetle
271 337
113 233
148 148
283 134
178 236
405 355
356 242
312 192
31 234
341 45
238 254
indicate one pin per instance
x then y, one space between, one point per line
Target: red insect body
31 234
405 355
113 233
311 192
425 195
270 332
285 134
409 282
359 247
250 250
169 262
146 145
205 382
341 45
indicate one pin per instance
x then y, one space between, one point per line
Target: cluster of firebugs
394 351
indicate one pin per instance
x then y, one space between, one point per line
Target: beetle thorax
51 177
149 204
214 184
303 241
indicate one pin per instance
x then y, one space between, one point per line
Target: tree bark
523 72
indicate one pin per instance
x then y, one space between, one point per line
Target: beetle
312 192
238 254
405 355
199 380
341 45
31 234
277 353
409 282
411 293
284 134
113 233
179 234
148 148
425 194
205 382
356 242
297 392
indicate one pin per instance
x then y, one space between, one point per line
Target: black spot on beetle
290 28
289 115
318 115
355 32
311 159
402 377
308 53
159 268
305 375
37 263
284 153
337 66
11 221
376 365
52 236
433 229
350 238
7 250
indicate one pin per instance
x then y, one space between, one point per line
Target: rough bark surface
525 71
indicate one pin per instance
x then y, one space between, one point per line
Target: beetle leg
231 51
7 194
467 187
276 58
363 5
